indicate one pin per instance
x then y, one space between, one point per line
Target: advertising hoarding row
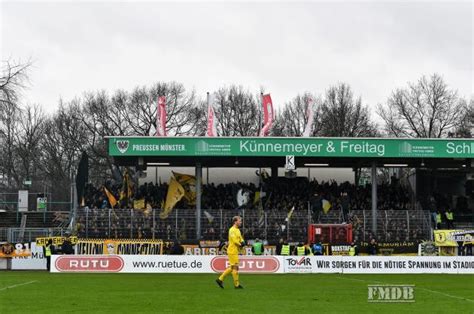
264 264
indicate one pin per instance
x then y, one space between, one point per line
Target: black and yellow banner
453 237
41 241
119 247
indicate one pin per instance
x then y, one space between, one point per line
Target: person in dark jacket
177 248
278 247
373 247
66 247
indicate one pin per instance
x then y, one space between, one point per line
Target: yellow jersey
235 239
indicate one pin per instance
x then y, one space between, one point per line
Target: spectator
317 248
438 220
279 246
449 219
66 247
353 249
257 247
373 247
177 248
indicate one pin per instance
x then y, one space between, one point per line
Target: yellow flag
111 197
290 213
139 204
257 197
326 206
188 182
175 194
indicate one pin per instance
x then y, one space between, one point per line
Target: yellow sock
235 275
225 273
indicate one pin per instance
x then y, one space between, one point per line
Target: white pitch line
20 284
447 295
429 290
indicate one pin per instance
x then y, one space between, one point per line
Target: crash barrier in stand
264 264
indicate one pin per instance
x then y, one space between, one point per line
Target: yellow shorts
233 260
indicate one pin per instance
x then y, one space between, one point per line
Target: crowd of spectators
264 217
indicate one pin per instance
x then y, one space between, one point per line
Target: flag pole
207 124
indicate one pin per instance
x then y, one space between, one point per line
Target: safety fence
401 225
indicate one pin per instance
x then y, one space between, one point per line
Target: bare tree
237 112
425 109
466 127
292 120
28 143
64 138
12 81
342 115
181 114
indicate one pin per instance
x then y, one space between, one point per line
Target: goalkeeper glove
242 244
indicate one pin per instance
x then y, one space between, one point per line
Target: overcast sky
288 48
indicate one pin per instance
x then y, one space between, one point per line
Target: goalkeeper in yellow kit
236 242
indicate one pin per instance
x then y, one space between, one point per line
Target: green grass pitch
42 292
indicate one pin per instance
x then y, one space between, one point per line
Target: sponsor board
103 264
248 264
326 264
8 250
131 263
304 147
298 264
405 265
264 264
36 261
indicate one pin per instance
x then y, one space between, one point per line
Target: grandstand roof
271 151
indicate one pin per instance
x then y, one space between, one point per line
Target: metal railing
15 235
393 225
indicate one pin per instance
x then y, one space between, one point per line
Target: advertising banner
131 264
36 261
119 247
405 265
296 146
15 250
249 264
453 237
264 264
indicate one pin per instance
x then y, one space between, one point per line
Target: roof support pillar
198 172
374 198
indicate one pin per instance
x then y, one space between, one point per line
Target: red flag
268 114
211 117
161 117
310 113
